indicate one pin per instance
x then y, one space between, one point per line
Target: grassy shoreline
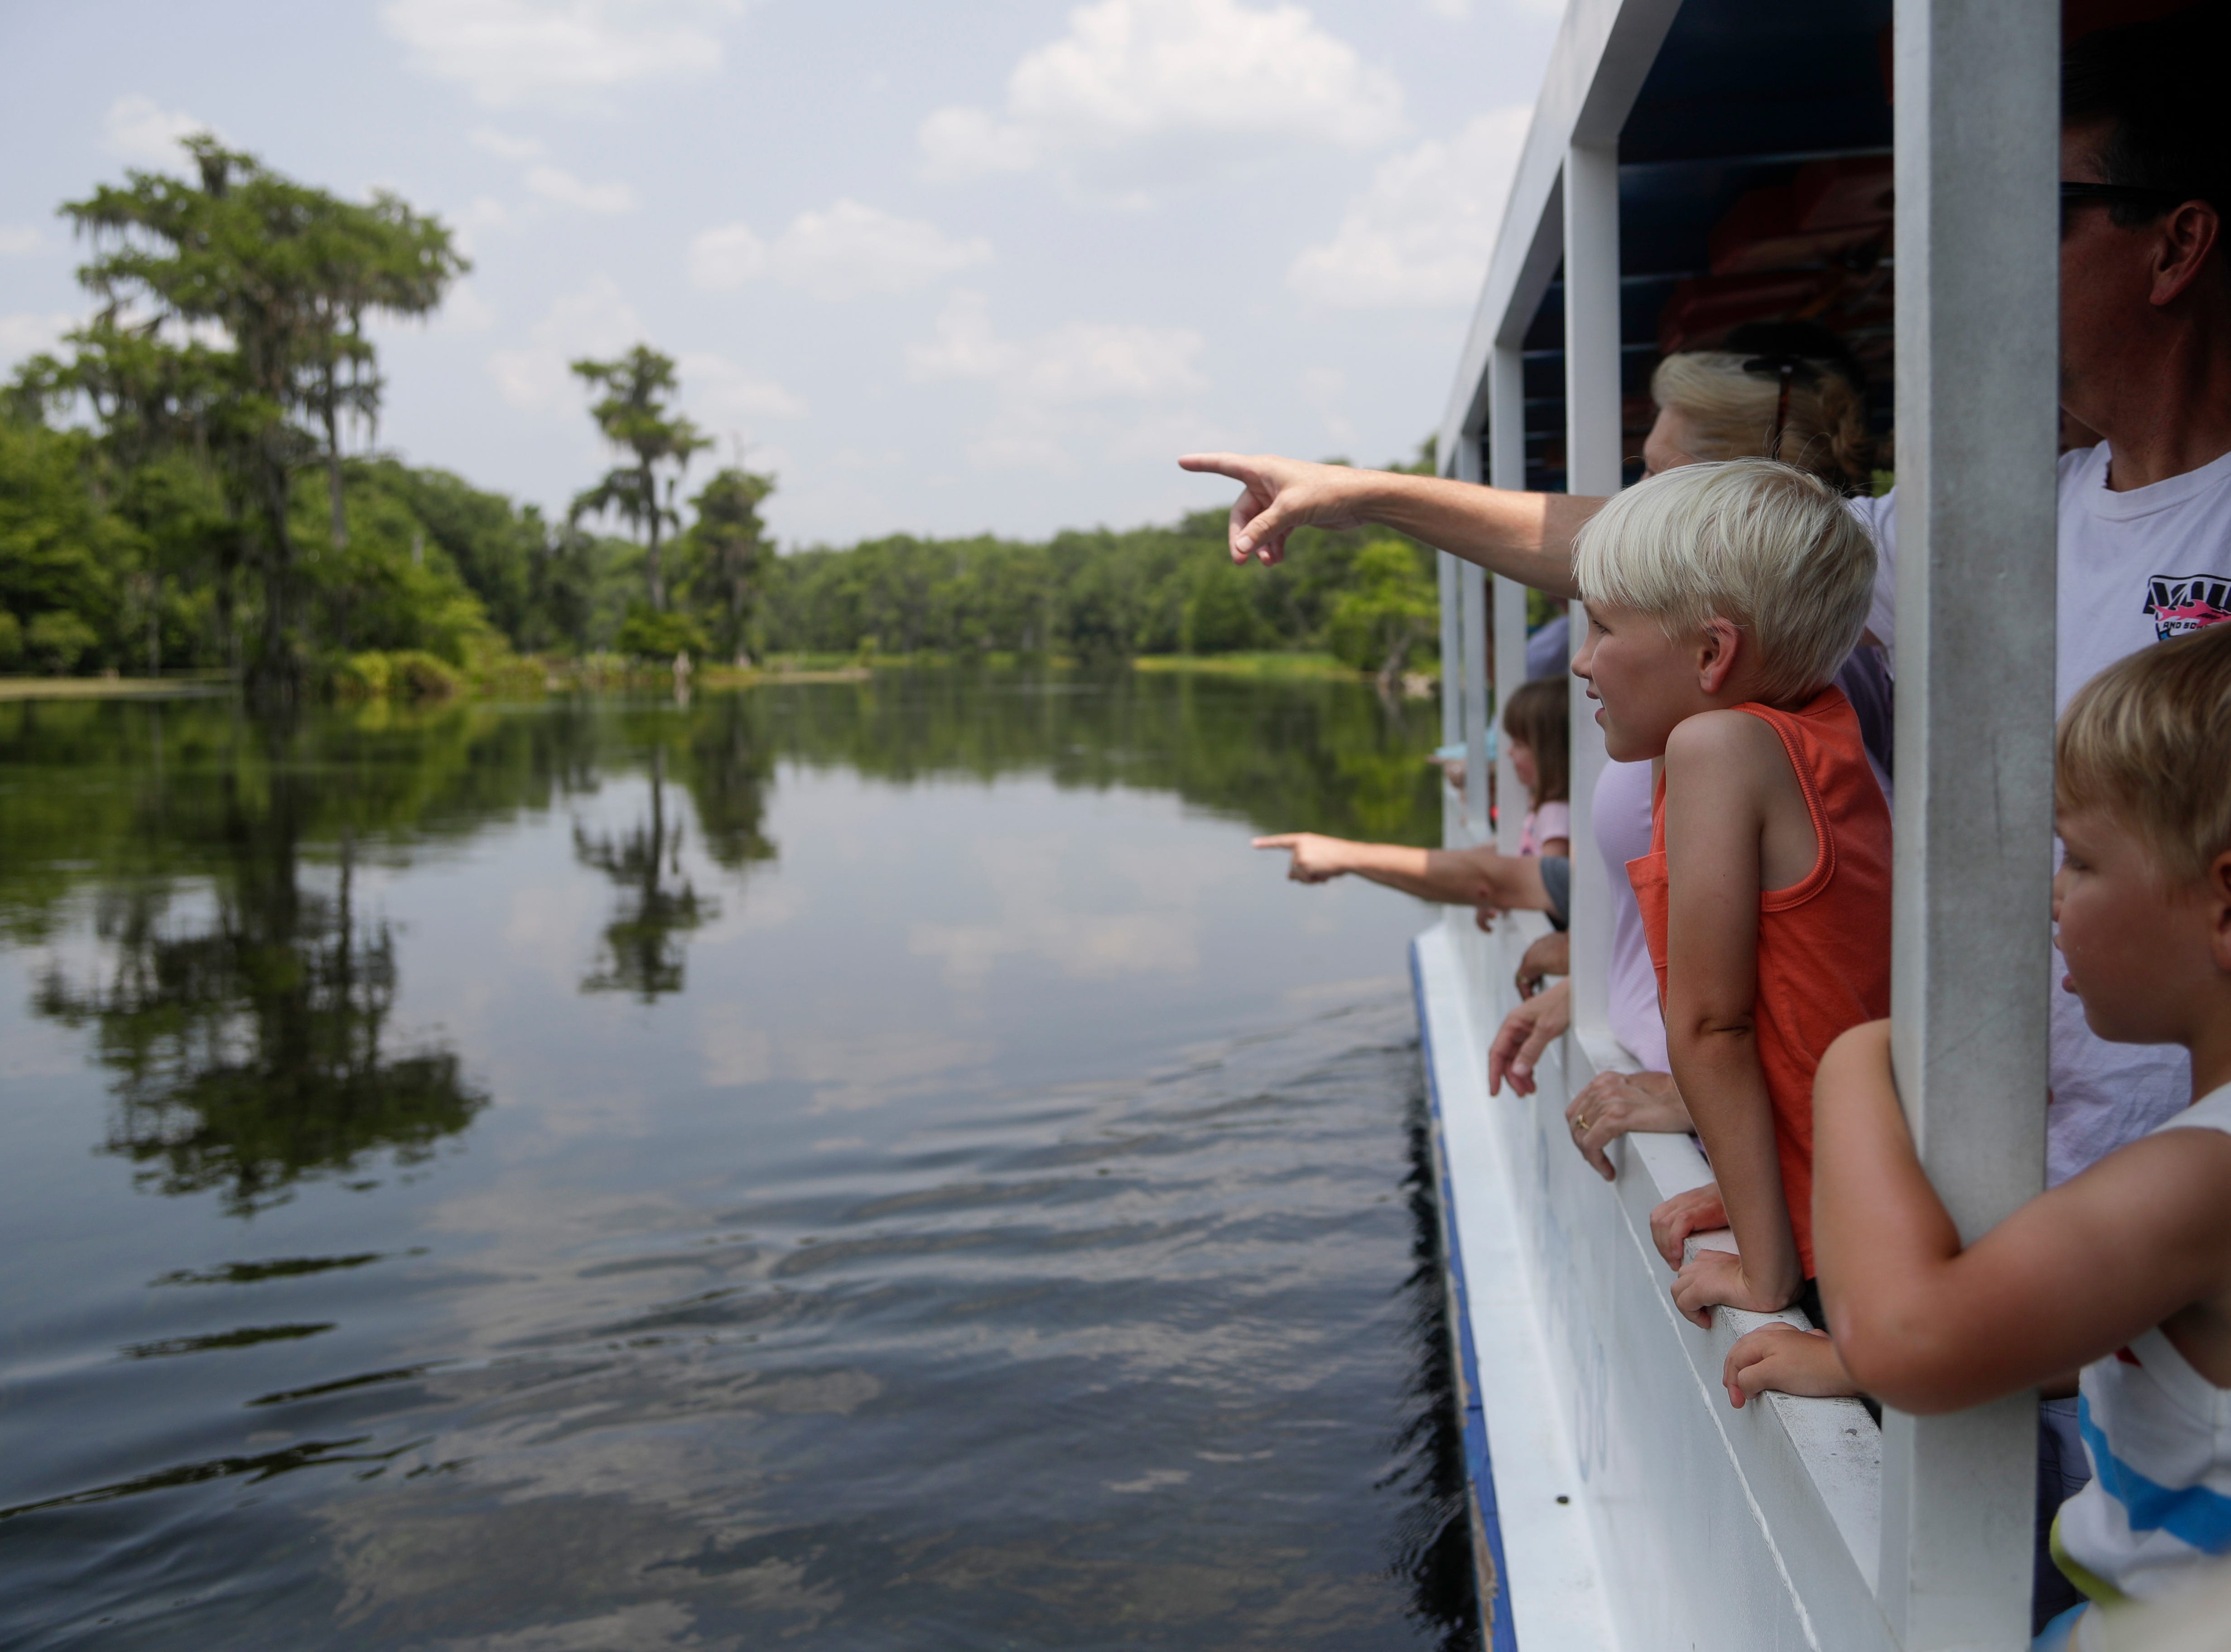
200 686
530 679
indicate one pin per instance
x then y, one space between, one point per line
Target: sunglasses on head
1788 370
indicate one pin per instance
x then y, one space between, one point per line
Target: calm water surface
850 1165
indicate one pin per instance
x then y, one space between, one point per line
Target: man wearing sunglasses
2144 517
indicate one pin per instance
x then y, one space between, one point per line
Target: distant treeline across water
104 568
185 484
119 572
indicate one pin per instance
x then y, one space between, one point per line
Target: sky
978 266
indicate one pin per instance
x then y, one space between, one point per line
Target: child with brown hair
1537 724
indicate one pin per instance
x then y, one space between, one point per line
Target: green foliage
285 275
407 674
1391 609
1089 595
648 634
64 557
58 639
1217 618
637 416
11 638
721 556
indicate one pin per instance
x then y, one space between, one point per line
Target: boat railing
1792 1522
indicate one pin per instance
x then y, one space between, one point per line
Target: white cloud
1421 234
725 257
485 213
510 145
963 143
140 130
850 249
722 394
599 321
1069 367
1084 361
1454 10
1325 389
26 334
840 253
20 240
519 51
596 321
553 185
1133 73
463 310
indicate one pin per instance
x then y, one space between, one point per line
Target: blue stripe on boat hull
1479 1468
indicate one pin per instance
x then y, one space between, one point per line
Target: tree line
192 481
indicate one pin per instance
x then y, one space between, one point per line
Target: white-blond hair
1764 546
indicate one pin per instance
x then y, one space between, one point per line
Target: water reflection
658 906
249 1037
983 1222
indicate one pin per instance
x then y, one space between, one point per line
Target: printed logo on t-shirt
2183 603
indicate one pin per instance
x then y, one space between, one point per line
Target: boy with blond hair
2124 1269
1720 600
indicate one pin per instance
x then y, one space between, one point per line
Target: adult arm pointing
1526 537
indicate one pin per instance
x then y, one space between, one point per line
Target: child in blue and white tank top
2125 1269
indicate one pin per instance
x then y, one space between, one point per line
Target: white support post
1977 359
1506 467
1451 689
1593 465
1472 616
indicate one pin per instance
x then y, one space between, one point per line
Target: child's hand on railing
1712 1278
1698 1210
1527 1031
1781 1360
1551 954
1613 1104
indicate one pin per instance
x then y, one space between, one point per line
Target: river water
841 1165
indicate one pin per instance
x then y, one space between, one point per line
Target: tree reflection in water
249 1045
725 765
658 906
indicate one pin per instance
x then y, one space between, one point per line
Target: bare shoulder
1720 749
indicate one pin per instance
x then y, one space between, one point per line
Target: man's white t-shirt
2136 568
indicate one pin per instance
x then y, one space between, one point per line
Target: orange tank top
1823 942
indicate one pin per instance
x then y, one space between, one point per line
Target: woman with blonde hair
1787 390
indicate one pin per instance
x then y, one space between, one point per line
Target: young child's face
1644 682
2135 946
1521 765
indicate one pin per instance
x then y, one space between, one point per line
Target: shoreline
795 668
113 688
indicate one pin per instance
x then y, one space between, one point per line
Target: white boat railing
1793 1522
